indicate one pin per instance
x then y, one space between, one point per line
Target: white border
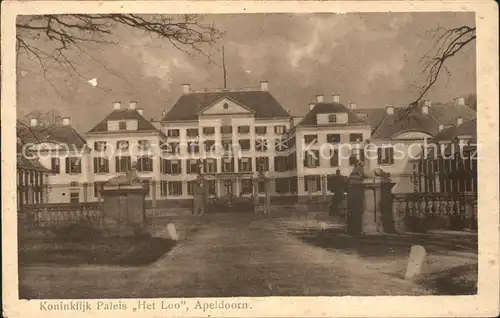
486 303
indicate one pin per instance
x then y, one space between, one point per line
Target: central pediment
225 106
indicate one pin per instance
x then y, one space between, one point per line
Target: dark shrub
77 232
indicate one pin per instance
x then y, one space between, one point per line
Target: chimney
336 98
133 105
140 111
264 86
311 106
186 88
460 120
352 105
460 101
441 127
33 122
117 105
320 98
65 121
389 110
163 113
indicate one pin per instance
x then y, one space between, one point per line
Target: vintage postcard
250 159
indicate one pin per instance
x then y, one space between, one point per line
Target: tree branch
449 43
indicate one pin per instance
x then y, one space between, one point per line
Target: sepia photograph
255 154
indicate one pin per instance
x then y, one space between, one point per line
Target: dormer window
122 125
332 118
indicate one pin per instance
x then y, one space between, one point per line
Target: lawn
450 267
84 244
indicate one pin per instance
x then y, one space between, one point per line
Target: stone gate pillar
369 204
124 209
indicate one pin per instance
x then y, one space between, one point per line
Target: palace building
233 137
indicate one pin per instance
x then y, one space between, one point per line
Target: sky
371 59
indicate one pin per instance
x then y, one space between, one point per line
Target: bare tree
449 42
49 39
67 32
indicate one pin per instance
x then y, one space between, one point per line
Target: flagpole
224 67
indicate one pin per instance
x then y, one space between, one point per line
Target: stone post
267 201
369 205
324 189
153 193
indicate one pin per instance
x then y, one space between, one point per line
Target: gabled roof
60 134
387 126
310 119
124 114
468 128
201 111
261 102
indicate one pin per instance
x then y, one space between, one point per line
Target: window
193 147
173 147
122 125
192 132
312 183
262 163
173 133
145 164
74 197
191 186
260 130
333 138
192 166
246 186
280 144
243 129
261 186
332 118
226 129
282 185
385 156
245 165
98 186
73 165
100 146
123 164
227 165
145 185
244 144
122 145
144 144
163 188
175 188
172 167
209 145
261 144
55 165
101 165
227 145
211 187
355 137
334 158
311 159
280 130
292 161
209 131
310 139
210 166
280 164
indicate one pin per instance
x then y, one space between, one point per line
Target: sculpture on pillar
369 198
